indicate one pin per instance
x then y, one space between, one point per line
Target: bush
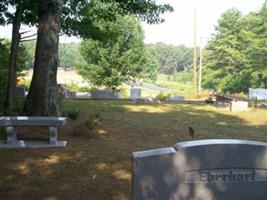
162 96
93 121
123 93
74 87
73 114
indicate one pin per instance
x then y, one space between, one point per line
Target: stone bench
202 170
12 122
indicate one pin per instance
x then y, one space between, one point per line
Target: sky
179 25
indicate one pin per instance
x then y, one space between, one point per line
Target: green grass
97 164
178 87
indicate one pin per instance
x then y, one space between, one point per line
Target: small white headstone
239 106
135 94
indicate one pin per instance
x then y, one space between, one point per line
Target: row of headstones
136 95
63 91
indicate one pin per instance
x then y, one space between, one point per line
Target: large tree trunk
12 68
42 99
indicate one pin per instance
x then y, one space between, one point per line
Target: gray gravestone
104 94
202 170
176 98
71 94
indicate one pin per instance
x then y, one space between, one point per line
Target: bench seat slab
32 144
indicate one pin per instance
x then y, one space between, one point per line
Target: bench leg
11 135
53 135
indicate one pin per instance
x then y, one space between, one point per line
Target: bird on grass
191 132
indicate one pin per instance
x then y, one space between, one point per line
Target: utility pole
195 54
200 67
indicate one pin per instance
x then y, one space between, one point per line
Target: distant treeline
170 58
69 54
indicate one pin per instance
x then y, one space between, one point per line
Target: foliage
30 48
182 77
4 59
75 87
118 57
163 96
4 49
69 55
170 58
80 17
235 58
73 114
93 121
29 8
123 92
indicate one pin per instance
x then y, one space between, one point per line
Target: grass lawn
96 165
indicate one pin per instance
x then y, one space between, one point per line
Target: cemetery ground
97 164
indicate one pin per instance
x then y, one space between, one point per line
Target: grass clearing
96 165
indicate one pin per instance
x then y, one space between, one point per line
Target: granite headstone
202 170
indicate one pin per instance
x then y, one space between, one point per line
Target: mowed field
97 165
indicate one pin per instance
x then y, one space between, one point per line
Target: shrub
93 121
162 96
73 114
75 87
123 92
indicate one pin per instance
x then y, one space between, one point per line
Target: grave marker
202 170
135 94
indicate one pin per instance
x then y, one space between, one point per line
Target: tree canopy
121 55
235 58
80 17
171 58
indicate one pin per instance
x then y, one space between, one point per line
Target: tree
12 75
224 55
80 16
118 57
171 58
4 49
69 55
236 56
43 95
43 98
254 38
4 60
20 15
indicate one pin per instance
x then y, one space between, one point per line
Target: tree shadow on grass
100 167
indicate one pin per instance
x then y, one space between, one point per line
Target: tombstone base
32 144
